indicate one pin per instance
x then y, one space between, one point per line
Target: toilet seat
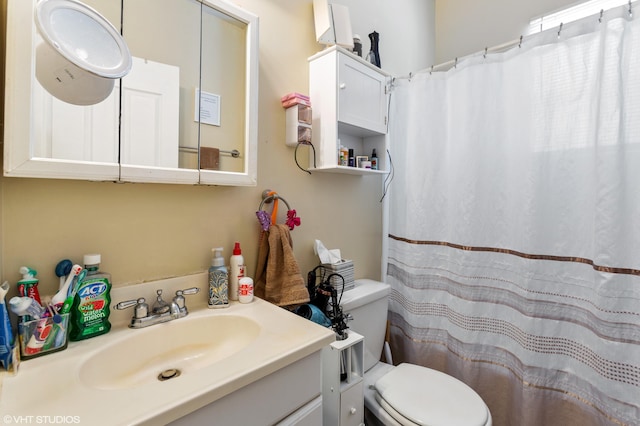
415 395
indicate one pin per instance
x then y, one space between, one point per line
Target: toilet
406 394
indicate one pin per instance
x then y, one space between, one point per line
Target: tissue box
344 268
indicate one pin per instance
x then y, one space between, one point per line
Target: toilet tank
368 302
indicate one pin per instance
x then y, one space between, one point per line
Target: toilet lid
429 398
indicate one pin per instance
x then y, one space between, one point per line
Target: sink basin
167 351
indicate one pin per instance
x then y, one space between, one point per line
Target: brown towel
278 275
209 158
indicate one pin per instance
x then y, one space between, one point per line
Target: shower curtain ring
601 13
560 29
520 44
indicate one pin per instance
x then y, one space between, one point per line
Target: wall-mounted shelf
350 170
350 100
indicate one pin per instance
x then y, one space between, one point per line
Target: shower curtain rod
495 49
454 62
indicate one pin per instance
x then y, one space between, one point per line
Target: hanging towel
278 275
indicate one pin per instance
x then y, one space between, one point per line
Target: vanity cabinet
342 382
287 397
350 99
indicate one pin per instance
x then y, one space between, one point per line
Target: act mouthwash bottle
90 310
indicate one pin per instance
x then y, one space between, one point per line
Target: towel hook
272 196
266 221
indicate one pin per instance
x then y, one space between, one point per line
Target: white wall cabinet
350 99
342 382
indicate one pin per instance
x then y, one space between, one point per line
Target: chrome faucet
161 310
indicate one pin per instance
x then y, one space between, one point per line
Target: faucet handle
141 309
191 290
179 298
125 304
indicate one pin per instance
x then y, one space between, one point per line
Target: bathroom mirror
186 113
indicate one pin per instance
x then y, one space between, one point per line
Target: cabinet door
77 133
150 115
362 100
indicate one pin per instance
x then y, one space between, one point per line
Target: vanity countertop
51 385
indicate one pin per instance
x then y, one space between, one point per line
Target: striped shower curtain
514 224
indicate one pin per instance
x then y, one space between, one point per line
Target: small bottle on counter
218 281
237 271
245 290
28 285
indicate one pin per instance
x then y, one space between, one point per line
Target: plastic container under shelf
43 336
345 269
298 122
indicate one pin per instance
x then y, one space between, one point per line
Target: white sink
167 351
112 379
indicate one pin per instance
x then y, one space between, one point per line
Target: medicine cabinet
350 99
186 113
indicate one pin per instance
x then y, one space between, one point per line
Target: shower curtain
514 224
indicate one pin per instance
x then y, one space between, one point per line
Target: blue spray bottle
6 334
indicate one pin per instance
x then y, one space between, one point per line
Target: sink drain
169 373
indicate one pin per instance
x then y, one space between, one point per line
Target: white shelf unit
350 99
343 400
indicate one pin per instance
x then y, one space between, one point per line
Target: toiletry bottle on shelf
352 158
374 160
218 281
90 310
237 271
344 156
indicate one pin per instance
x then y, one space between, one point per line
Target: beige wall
151 231
468 26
